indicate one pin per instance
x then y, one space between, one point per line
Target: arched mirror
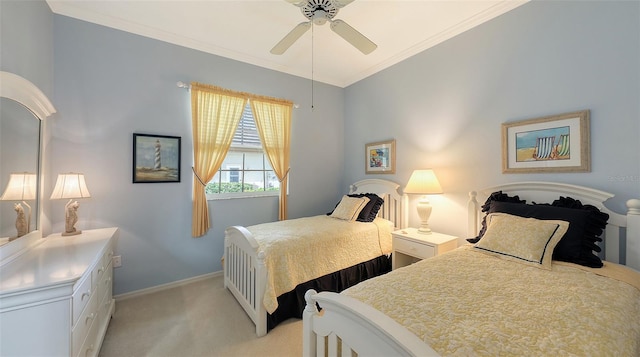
22 108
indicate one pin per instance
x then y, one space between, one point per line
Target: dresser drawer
415 249
82 328
80 298
103 263
105 284
104 310
90 346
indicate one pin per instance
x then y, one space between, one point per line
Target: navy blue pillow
596 223
370 211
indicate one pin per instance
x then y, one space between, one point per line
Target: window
246 171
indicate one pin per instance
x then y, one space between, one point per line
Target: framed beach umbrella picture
558 143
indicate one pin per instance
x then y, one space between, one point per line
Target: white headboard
620 228
395 204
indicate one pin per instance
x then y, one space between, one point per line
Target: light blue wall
26 41
26 49
110 84
445 106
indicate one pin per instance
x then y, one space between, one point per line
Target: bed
484 298
269 281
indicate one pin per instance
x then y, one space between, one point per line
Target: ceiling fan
319 12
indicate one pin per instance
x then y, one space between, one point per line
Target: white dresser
56 298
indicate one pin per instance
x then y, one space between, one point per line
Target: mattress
465 303
302 249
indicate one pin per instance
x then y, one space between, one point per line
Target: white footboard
347 325
245 274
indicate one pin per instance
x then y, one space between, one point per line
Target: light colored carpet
198 319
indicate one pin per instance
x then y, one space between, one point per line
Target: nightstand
409 246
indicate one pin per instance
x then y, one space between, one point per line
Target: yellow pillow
525 240
349 208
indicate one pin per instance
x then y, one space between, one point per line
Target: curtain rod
184 85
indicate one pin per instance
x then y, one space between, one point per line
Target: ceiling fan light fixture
318 12
319 17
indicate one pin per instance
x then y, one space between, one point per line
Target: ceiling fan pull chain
312 37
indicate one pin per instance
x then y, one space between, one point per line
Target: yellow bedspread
465 303
302 249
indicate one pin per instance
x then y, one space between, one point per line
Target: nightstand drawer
418 250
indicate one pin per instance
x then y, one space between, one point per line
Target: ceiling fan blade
290 38
340 3
352 36
297 2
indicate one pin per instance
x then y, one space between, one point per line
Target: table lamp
423 182
21 187
70 185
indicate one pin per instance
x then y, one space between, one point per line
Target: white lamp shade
70 185
423 182
21 187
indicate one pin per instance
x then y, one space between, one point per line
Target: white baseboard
162 287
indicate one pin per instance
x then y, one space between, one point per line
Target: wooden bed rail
355 322
245 274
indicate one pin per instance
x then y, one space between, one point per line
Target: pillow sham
370 211
349 208
528 241
587 223
497 196
578 244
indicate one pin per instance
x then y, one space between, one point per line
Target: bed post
404 217
261 282
633 234
308 335
472 215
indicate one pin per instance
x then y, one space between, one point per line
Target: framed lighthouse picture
156 158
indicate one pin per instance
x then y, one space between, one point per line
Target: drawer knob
91 316
87 294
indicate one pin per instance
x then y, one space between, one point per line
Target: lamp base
70 218
424 211
424 230
71 233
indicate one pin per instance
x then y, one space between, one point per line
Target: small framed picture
156 158
380 157
558 143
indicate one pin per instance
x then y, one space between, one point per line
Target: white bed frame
347 325
245 273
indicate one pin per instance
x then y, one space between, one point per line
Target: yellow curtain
273 120
215 113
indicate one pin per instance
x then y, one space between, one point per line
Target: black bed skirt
292 304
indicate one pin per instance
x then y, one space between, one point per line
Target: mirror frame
19 89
